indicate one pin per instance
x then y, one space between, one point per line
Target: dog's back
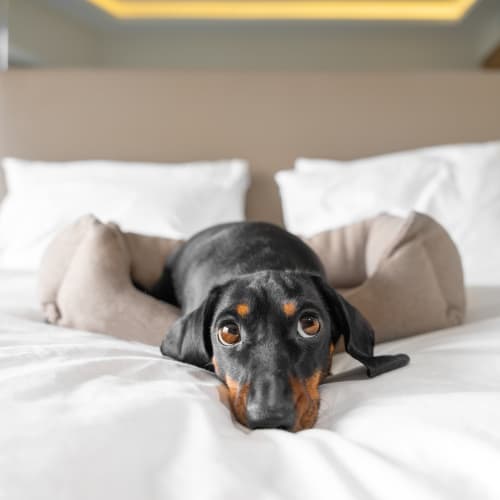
226 251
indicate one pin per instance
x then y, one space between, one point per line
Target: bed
89 416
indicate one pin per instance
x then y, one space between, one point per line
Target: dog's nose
266 414
277 419
270 402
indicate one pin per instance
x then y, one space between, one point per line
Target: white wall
51 38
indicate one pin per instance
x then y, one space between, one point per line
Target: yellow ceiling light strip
391 10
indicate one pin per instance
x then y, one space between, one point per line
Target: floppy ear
188 339
358 333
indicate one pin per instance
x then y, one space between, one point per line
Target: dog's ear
357 332
188 339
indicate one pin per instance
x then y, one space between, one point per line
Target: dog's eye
308 326
229 334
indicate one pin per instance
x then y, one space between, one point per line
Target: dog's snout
270 405
282 418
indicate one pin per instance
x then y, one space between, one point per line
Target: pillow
173 201
451 153
458 185
3 187
316 202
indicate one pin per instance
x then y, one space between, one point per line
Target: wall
290 47
488 30
39 36
4 39
46 37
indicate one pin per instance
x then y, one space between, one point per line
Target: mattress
89 416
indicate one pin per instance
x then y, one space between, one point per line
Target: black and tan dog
257 310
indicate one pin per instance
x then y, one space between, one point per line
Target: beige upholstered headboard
268 118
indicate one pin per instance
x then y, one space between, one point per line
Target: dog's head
270 337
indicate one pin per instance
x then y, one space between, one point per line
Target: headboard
269 118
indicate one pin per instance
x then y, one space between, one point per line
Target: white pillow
458 185
158 199
319 165
3 187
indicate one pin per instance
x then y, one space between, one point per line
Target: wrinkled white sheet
85 416
88 416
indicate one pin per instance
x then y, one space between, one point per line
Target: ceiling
96 38
105 13
414 10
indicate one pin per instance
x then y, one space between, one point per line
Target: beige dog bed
404 275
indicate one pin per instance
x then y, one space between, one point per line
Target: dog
258 311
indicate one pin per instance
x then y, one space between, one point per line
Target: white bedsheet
88 416
18 294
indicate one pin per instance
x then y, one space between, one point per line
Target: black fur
263 266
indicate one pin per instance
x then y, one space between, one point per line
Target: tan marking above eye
229 334
289 308
308 325
242 310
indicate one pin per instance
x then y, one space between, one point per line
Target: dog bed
403 274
